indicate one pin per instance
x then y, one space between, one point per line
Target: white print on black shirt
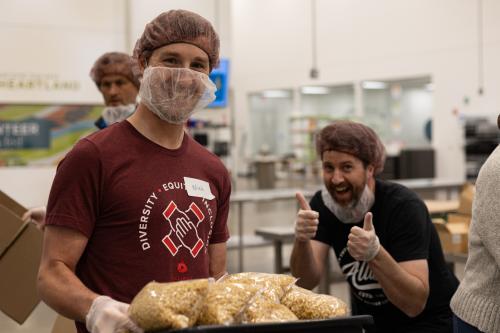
364 284
361 275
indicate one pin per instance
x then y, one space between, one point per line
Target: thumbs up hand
306 224
363 244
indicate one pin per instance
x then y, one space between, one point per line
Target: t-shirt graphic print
365 286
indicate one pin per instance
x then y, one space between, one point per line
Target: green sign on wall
42 134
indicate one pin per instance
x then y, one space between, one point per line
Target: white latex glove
109 316
363 244
306 224
37 216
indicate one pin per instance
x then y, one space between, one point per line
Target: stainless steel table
241 197
279 236
451 186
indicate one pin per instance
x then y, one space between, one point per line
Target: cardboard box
454 236
459 218
63 325
10 226
20 253
466 198
12 204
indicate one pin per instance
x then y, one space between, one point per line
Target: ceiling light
275 94
315 90
373 85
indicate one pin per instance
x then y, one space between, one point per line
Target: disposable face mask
353 213
174 94
114 114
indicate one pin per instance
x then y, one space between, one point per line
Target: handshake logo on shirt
183 229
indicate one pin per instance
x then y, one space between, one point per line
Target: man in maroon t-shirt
140 200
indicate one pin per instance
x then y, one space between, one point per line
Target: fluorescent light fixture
429 87
373 85
315 90
275 94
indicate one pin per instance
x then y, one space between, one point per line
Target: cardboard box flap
10 227
12 204
438 222
452 228
466 199
457 228
453 236
18 274
64 325
458 218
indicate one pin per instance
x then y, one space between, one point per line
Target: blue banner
220 76
25 134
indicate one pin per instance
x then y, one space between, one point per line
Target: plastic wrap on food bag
224 301
274 286
261 309
308 305
169 305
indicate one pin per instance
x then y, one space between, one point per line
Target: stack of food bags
234 299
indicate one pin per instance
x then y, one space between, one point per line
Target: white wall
52 40
381 39
30 187
57 40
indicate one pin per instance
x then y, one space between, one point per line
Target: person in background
113 74
476 304
140 200
382 235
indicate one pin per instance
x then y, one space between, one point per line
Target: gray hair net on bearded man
355 139
114 63
178 26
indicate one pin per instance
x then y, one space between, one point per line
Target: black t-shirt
405 230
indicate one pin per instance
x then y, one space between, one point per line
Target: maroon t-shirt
130 197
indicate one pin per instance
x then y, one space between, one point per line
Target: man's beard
354 211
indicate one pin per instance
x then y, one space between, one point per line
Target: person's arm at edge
307 262
57 284
485 209
217 254
217 251
36 215
406 284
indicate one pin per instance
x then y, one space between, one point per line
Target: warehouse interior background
424 74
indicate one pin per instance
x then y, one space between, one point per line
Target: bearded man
382 235
113 74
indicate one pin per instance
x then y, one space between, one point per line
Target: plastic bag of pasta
224 301
308 305
169 305
273 286
261 309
